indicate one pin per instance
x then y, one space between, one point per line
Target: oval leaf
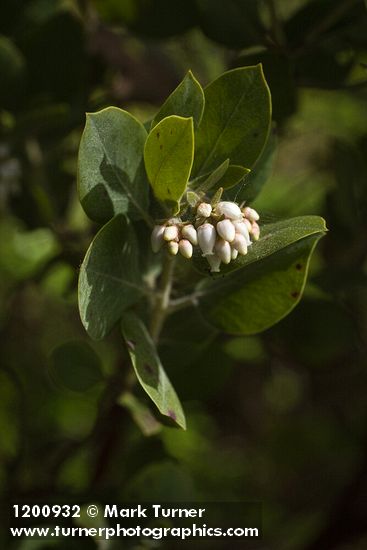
236 120
111 175
149 370
168 155
109 279
187 100
267 292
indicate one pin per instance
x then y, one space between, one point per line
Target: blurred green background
279 418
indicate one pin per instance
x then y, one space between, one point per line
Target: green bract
200 147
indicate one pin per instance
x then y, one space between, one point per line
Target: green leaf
168 155
140 413
149 370
236 120
274 237
111 176
207 181
76 366
225 176
259 175
109 279
24 253
187 100
268 291
263 286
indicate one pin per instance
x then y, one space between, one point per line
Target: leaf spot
299 267
295 294
158 135
172 414
131 344
161 147
148 368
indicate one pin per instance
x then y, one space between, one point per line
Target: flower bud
206 238
172 247
214 263
189 232
223 250
156 237
241 227
229 210
248 224
251 214
226 230
240 244
255 231
185 248
204 209
234 253
170 233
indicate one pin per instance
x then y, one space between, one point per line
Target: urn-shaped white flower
185 248
255 231
226 230
240 243
172 247
251 214
170 233
189 232
223 250
234 253
229 210
206 238
242 228
204 209
156 237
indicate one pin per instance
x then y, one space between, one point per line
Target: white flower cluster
222 232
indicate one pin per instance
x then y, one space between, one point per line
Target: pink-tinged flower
189 232
240 243
156 237
185 248
172 247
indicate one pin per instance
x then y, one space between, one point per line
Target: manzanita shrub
178 231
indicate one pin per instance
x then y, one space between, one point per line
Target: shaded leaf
259 175
268 291
267 283
109 279
111 176
163 481
140 413
236 120
76 366
187 100
168 155
234 23
149 370
225 176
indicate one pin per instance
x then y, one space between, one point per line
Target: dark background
281 417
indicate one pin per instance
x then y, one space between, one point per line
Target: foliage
277 416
